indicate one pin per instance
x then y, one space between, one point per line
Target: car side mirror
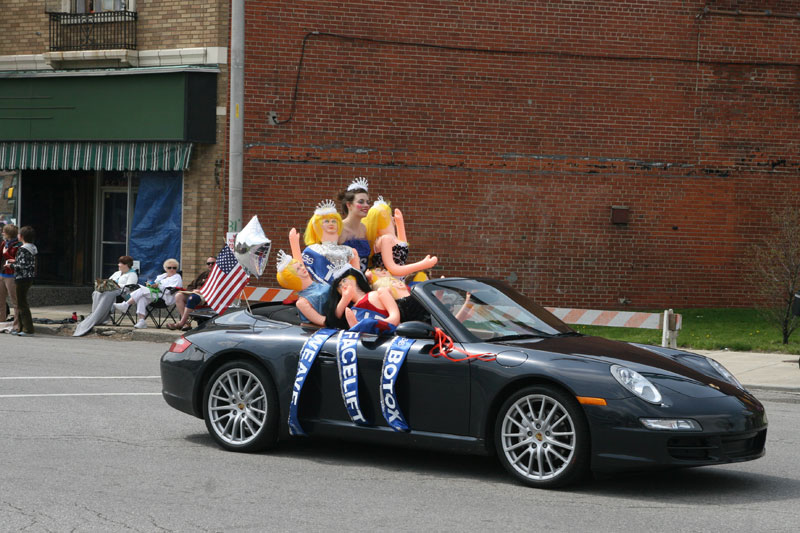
796 304
415 330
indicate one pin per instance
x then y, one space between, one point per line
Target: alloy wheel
237 406
538 437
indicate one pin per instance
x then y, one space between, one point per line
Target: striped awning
152 156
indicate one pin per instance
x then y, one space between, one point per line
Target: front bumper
730 434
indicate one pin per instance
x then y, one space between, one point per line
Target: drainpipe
236 123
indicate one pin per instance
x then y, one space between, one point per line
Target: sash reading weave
392 361
347 362
308 354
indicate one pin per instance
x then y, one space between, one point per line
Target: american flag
226 281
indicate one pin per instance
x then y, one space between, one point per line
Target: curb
772 388
111 332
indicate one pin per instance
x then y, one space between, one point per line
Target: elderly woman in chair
152 290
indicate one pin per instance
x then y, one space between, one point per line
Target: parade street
88 444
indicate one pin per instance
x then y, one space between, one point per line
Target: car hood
673 369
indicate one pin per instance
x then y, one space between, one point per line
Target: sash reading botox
392 361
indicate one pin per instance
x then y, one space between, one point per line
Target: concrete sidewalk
752 369
122 332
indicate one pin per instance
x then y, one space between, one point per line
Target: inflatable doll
410 308
322 243
355 206
376 308
312 297
389 245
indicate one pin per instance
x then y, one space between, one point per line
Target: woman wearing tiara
322 243
389 245
355 206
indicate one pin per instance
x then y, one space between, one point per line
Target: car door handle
327 358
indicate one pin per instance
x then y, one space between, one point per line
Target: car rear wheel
240 407
542 438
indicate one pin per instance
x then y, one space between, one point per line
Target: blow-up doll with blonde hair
322 243
389 244
312 297
410 308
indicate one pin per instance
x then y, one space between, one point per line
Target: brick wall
19 23
506 131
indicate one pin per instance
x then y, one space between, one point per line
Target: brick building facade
168 36
506 131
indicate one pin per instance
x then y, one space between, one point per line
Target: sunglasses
209 263
172 268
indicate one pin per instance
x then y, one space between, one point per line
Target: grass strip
740 330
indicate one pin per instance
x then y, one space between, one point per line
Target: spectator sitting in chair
186 301
153 290
102 301
123 277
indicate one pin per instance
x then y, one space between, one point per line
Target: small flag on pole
226 281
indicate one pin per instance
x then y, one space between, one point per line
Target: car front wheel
240 407
542 438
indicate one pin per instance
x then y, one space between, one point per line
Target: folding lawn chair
160 313
118 318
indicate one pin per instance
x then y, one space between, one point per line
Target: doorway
116 199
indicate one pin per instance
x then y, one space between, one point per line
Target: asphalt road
87 444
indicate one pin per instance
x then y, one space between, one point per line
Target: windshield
492 310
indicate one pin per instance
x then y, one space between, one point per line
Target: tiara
284 260
379 201
358 183
339 267
325 207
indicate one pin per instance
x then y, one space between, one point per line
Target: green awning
153 156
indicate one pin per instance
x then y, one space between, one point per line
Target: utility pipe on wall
236 123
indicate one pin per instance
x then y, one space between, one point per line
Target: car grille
717 448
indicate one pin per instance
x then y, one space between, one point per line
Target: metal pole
236 124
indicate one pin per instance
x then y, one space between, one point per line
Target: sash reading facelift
347 362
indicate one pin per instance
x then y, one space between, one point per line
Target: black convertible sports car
488 371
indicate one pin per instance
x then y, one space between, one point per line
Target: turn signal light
180 345
588 400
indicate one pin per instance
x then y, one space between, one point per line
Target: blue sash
347 362
307 356
392 361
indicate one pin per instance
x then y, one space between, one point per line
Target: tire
240 407
542 438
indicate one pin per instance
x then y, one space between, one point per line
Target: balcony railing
109 30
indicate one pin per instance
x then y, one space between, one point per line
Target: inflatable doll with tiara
389 245
355 206
371 312
312 297
322 243
410 308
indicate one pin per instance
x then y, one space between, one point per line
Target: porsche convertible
485 370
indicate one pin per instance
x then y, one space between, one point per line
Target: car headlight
724 372
636 383
671 424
